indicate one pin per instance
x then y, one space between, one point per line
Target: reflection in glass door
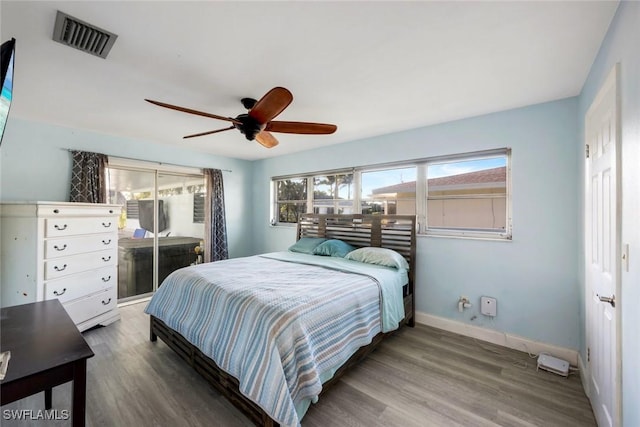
181 243
159 230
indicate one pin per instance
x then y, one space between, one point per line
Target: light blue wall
35 165
538 278
621 46
534 277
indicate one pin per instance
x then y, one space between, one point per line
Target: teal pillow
333 247
379 256
306 245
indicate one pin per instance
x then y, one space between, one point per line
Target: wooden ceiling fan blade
190 111
208 133
301 127
270 105
266 139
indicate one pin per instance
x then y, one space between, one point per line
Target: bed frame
395 232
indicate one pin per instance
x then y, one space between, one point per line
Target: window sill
459 237
283 225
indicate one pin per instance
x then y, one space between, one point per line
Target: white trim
473 155
584 376
342 171
609 82
496 337
468 234
121 162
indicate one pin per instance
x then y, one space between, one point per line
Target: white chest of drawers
61 250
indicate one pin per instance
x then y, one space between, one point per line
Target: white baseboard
500 338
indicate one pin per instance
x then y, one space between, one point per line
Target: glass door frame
157 169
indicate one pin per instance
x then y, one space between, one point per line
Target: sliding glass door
161 228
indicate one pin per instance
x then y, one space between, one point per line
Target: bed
303 320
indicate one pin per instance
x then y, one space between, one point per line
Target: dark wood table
46 350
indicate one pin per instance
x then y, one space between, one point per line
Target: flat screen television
145 215
7 54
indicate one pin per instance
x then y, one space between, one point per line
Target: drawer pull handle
106 224
106 242
56 268
106 279
105 259
58 248
57 227
106 302
56 293
56 211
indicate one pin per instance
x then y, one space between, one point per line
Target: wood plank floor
419 377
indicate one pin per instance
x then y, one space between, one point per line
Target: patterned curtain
88 177
215 225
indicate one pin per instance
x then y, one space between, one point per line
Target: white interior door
602 243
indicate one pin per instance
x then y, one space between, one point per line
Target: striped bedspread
277 323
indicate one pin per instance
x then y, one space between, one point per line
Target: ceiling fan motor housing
248 126
248 103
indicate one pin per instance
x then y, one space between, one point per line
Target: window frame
335 202
421 200
469 233
275 202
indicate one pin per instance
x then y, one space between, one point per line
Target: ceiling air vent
80 35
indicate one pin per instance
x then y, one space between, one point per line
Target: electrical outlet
463 302
488 306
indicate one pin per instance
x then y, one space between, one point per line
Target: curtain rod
149 161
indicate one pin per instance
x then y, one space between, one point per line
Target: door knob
611 300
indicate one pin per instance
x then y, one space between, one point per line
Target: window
465 195
323 193
291 199
389 191
333 194
468 196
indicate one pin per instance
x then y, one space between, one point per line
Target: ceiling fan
258 122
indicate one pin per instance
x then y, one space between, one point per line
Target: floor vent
83 36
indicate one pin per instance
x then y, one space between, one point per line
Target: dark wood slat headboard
397 232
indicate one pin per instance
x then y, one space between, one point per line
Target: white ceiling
370 67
